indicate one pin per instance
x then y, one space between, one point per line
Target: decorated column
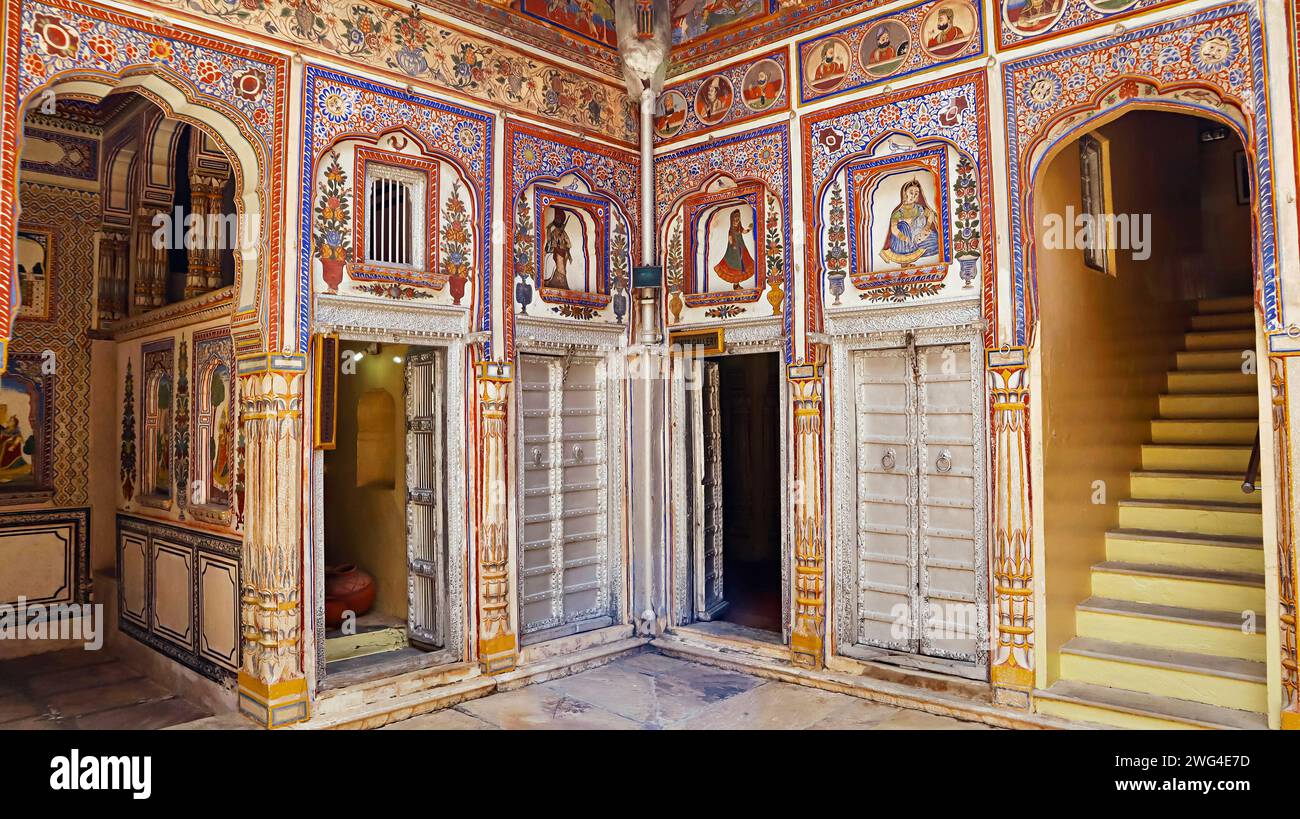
272 688
1012 553
497 645
807 639
1286 553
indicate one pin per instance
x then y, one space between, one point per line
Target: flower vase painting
332 224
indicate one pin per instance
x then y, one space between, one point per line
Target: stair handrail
1249 481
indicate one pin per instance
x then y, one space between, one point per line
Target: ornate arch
1209 64
236 94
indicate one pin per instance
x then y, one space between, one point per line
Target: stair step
1209 405
1219 633
1211 381
1208 518
1190 360
1225 304
1190 551
1188 485
1204 431
1179 586
1223 681
1196 456
1134 709
1244 320
1220 340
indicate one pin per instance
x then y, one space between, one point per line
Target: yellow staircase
1164 640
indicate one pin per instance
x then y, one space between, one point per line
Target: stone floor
79 689
649 691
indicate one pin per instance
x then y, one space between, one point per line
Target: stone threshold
882 691
445 691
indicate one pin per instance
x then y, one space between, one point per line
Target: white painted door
563 476
425 541
918 539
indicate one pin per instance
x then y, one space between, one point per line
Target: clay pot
347 588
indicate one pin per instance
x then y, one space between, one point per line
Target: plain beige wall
367 525
1107 341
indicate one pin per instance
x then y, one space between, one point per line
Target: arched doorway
1150 408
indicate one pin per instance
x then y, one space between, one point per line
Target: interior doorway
1153 506
733 514
385 521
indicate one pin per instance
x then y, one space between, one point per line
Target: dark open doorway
751 478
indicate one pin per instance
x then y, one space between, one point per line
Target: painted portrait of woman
913 232
737 263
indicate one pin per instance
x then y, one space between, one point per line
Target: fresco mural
899 194
26 429
435 153
158 386
726 236
593 19
693 19
737 92
572 238
406 43
906 42
1026 21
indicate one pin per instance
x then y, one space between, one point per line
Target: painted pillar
272 688
498 647
1012 552
1286 552
807 639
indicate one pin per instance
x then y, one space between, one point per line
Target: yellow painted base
499 654
1291 720
275 705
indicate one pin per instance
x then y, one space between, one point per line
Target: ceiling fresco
704 31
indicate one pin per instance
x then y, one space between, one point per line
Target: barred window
395 217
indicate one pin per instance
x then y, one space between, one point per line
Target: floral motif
333 216
57 39
456 261
250 84
207 72
126 458
160 50
966 227
335 103
104 48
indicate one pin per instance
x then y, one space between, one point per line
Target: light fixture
397 359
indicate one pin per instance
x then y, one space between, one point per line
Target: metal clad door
584 578
537 518
709 597
947 494
886 506
564 566
424 512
